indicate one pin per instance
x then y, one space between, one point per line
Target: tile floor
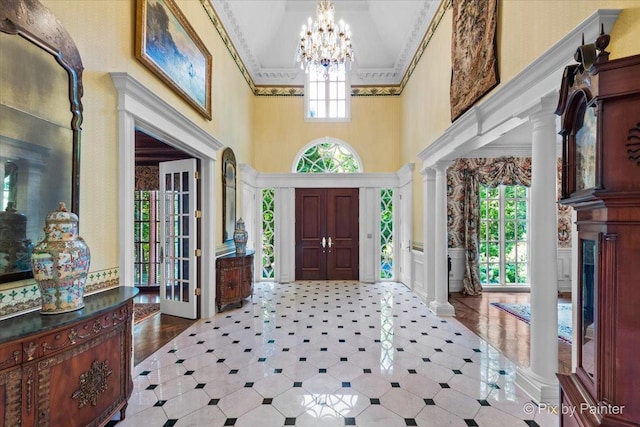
329 354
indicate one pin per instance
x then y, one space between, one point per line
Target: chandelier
323 44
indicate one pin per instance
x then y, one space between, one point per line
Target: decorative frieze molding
25 297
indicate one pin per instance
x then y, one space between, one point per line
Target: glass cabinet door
587 320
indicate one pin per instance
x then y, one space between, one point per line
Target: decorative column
539 380
440 306
429 223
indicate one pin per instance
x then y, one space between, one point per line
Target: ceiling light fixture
324 45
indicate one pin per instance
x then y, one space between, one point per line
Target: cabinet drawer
10 355
230 263
77 334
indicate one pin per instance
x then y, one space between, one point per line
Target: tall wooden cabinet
600 108
234 279
71 369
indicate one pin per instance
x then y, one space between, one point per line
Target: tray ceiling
385 36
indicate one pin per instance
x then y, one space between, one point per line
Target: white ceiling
385 36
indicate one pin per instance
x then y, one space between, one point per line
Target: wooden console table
234 278
69 369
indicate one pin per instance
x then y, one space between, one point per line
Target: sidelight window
386 233
268 237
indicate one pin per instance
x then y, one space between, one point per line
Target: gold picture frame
167 44
229 173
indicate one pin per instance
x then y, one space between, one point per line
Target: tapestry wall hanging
474 63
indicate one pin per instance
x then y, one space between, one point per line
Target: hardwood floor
154 332
503 331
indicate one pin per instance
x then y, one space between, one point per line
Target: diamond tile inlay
328 353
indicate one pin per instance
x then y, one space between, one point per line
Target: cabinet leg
123 411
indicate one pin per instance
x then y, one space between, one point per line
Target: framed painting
167 44
474 63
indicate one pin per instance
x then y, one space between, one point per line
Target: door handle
324 242
161 255
330 244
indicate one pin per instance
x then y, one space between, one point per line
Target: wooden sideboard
70 369
234 279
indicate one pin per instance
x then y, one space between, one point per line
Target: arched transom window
327 155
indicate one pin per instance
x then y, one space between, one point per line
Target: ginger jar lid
10 214
61 215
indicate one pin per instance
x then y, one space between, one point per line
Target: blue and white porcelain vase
240 238
60 263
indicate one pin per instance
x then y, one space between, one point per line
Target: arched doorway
327 219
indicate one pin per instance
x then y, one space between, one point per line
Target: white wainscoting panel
564 270
456 274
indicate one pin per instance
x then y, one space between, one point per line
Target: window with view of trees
327 97
146 224
328 157
503 235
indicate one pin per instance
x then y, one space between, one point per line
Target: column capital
541 110
441 166
428 174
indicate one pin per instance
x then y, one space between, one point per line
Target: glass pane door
178 238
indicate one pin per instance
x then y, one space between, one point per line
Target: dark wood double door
327 243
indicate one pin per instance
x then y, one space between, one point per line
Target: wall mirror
40 118
228 194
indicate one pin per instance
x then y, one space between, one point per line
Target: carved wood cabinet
234 279
600 107
71 369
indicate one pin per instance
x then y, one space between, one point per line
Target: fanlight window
328 157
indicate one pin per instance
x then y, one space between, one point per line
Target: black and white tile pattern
329 354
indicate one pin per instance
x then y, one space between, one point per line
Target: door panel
327 241
178 238
311 262
342 228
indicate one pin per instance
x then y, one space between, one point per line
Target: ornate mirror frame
229 172
35 23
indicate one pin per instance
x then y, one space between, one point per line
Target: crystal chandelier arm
322 43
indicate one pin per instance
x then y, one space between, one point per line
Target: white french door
178 238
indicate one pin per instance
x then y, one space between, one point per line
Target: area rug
523 312
144 310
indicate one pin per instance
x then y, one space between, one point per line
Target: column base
539 389
442 309
422 295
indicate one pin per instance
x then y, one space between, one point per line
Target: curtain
504 170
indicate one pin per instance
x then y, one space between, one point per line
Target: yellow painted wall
104 32
267 132
280 131
526 30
